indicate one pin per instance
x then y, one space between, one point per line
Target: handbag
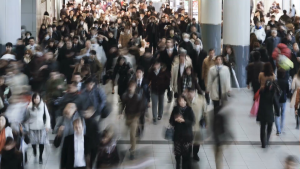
169 133
203 121
255 107
44 115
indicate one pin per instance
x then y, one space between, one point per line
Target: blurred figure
182 119
64 125
124 70
76 148
4 95
291 162
132 105
108 155
38 124
11 158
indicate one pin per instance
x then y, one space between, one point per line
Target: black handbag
203 121
169 133
44 115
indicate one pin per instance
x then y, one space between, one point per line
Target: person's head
93 54
191 93
274 33
256 56
88 44
110 34
295 47
131 87
268 70
122 61
77 77
182 55
289 37
219 60
36 99
139 73
291 162
193 29
49 56
188 70
273 18
69 44
211 53
284 12
28 35
186 37
172 32
78 127
3 122
194 21
72 88
8 46
90 83
43 26
170 43
157 65
258 24
229 50
69 110
182 101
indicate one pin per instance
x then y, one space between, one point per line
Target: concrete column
211 15
236 33
10 22
286 5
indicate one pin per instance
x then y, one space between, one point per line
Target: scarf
187 82
2 139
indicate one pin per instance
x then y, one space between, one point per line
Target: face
78 129
110 35
169 44
228 50
69 110
274 33
8 48
69 44
258 24
296 47
212 53
87 44
157 66
72 88
121 62
191 95
132 88
219 61
139 74
90 86
77 78
181 102
31 41
37 100
43 27
188 71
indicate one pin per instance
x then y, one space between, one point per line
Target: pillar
10 22
211 15
286 5
236 33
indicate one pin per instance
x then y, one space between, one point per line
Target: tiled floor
243 152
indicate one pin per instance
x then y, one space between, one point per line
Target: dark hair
32 99
284 12
211 49
139 68
8 44
93 52
31 38
219 56
280 73
191 89
9 140
273 16
268 70
194 34
256 44
256 56
7 124
90 80
184 98
232 51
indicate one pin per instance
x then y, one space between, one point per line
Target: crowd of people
54 82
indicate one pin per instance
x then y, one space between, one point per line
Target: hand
60 130
44 67
248 86
181 120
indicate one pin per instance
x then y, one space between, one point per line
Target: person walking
182 119
267 74
284 86
38 124
253 71
265 114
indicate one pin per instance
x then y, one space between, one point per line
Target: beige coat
295 86
174 72
205 68
199 107
213 82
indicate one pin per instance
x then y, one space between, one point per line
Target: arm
263 35
228 81
209 80
203 69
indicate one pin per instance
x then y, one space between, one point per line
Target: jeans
279 121
263 137
157 101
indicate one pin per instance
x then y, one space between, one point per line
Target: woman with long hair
42 33
38 124
182 119
253 39
267 74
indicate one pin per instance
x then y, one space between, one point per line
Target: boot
195 152
297 122
178 161
34 149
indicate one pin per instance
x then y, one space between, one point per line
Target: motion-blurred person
218 82
4 95
132 104
108 155
11 158
92 132
266 74
76 148
15 79
265 114
182 119
38 124
291 162
5 131
93 96
95 66
198 105
208 62
78 79
253 70
159 79
64 124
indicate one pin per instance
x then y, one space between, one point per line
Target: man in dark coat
186 44
271 44
79 158
151 34
253 70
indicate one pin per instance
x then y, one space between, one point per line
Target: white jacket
260 33
35 117
213 82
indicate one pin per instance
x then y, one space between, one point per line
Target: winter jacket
34 117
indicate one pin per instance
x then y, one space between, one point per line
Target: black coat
11 159
160 82
92 132
263 53
166 59
284 86
188 46
146 63
267 101
68 154
150 34
183 131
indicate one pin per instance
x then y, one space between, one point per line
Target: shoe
154 121
263 146
159 118
277 133
196 157
41 160
131 156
